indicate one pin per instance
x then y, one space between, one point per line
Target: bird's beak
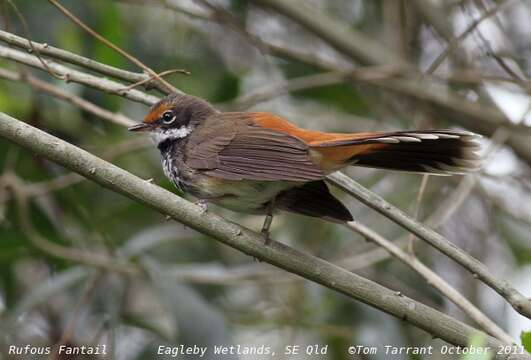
140 127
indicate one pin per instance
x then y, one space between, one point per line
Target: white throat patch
161 135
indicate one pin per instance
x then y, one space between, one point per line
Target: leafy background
196 291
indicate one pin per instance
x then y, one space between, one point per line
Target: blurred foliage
187 293
525 336
478 343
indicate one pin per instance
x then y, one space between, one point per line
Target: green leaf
526 340
477 341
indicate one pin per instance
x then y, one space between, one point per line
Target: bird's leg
267 222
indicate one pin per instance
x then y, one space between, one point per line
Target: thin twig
161 74
77 76
30 43
416 210
75 59
517 300
169 88
434 280
268 92
454 43
51 248
71 325
116 118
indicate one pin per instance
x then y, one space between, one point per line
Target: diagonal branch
434 280
75 59
517 300
77 76
165 85
36 83
251 243
341 36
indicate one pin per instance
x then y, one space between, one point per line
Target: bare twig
271 91
70 179
434 280
169 88
416 210
30 43
267 92
69 57
454 43
51 248
161 74
236 236
517 300
116 118
70 328
80 77
339 35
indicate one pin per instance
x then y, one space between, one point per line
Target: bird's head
174 117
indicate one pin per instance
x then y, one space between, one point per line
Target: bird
259 163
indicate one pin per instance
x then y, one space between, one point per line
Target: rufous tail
438 152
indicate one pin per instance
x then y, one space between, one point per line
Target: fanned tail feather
438 152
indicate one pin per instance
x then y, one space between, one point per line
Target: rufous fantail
257 162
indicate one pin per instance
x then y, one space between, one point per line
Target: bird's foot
203 204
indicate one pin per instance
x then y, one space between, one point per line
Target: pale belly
246 196
242 196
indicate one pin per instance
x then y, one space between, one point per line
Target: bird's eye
168 117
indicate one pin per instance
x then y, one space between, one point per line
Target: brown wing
233 146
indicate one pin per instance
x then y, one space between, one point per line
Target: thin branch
167 86
454 43
341 36
62 181
418 201
71 326
269 92
75 59
161 74
434 280
251 243
517 300
30 43
77 76
36 83
71 254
